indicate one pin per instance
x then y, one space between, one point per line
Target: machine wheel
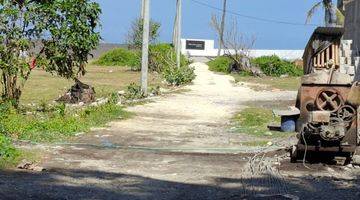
294 154
346 113
329 100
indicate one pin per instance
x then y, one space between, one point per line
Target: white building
206 48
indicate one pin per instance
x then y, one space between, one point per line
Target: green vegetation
163 56
133 91
162 59
274 66
269 65
43 87
179 76
120 57
220 64
56 36
8 154
57 122
254 121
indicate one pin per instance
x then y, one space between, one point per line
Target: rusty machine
328 98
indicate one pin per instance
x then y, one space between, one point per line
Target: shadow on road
87 184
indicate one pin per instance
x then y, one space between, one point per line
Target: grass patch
254 121
53 126
270 83
13 161
43 87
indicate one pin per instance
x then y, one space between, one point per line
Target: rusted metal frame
345 149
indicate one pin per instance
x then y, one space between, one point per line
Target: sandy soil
179 147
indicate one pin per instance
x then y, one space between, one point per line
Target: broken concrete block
356 160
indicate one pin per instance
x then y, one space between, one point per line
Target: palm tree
333 15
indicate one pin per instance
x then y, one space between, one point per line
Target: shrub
8 153
220 64
120 57
133 91
274 66
162 56
179 76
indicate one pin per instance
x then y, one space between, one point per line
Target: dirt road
178 147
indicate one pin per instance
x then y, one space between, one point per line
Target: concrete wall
210 51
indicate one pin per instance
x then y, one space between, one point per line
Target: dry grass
42 86
270 83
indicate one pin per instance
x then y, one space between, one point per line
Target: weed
8 153
133 91
254 121
179 76
47 127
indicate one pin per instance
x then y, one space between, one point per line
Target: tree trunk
10 91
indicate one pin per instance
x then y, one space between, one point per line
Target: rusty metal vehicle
329 120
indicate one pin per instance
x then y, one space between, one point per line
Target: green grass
254 121
270 83
8 154
51 126
15 159
43 87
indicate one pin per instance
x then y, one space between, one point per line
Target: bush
120 57
179 76
133 91
163 60
220 64
274 66
162 56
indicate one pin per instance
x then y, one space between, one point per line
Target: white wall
210 51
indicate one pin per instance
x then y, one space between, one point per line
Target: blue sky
118 14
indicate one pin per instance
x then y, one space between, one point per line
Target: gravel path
177 147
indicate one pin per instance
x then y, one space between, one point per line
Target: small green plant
220 64
133 91
274 66
179 76
155 90
8 153
114 98
120 57
61 109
